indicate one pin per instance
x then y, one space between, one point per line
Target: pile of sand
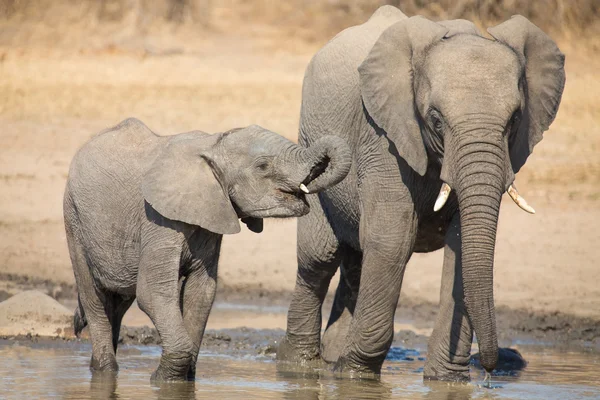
34 313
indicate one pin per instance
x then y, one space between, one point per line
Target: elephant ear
386 84
182 185
544 82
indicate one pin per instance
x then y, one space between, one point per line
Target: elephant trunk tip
489 359
331 160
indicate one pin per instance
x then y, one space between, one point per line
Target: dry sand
34 313
53 99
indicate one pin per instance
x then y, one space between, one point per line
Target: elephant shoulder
387 13
335 65
356 41
130 135
123 147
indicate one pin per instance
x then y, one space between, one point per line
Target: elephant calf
145 214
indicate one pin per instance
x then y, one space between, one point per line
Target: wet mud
514 325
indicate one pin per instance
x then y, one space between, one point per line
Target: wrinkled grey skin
420 103
145 215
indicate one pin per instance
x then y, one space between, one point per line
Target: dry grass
313 21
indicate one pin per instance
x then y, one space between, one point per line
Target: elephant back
332 79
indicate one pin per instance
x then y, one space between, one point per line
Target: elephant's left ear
545 81
182 185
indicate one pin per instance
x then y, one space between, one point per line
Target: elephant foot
172 367
306 355
345 368
436 370
334 338
104 363
445 374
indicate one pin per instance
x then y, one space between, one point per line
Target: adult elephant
145 216
439 120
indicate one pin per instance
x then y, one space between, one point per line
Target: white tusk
521 202
304 188
442 197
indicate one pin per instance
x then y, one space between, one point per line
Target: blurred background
70 68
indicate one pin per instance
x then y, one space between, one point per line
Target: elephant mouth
296 198
286 204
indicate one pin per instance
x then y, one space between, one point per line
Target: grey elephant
439 120
145 214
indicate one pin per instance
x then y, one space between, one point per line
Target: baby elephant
145 215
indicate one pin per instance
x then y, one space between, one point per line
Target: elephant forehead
470 63
254 143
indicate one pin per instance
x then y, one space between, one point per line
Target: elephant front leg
197 297
387 237
158 297
450 343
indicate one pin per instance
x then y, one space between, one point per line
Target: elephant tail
79 320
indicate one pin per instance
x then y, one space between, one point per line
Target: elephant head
473 108
248 173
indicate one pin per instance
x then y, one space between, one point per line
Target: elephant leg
387 235
318 258
95 306
344 303
197 296
449 347
158 296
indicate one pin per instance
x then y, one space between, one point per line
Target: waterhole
59 369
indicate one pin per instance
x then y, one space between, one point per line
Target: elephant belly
113 258
117 274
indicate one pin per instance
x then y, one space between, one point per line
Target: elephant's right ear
386 84
181 185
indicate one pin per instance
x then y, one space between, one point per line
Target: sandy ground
52 100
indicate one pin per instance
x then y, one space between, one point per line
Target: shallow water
57 369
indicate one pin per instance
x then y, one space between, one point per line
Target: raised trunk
479 185
325 163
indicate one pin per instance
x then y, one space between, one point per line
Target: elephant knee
144 301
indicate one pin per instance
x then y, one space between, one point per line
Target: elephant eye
516 118
437 122
262 165
514 121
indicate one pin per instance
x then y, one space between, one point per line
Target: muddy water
58 369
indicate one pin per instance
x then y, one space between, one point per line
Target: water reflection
103 385
323 384
448 391
175 390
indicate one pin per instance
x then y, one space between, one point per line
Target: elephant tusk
304 188
521 202
442 197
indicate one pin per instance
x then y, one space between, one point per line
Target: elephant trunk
325 163
479 185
